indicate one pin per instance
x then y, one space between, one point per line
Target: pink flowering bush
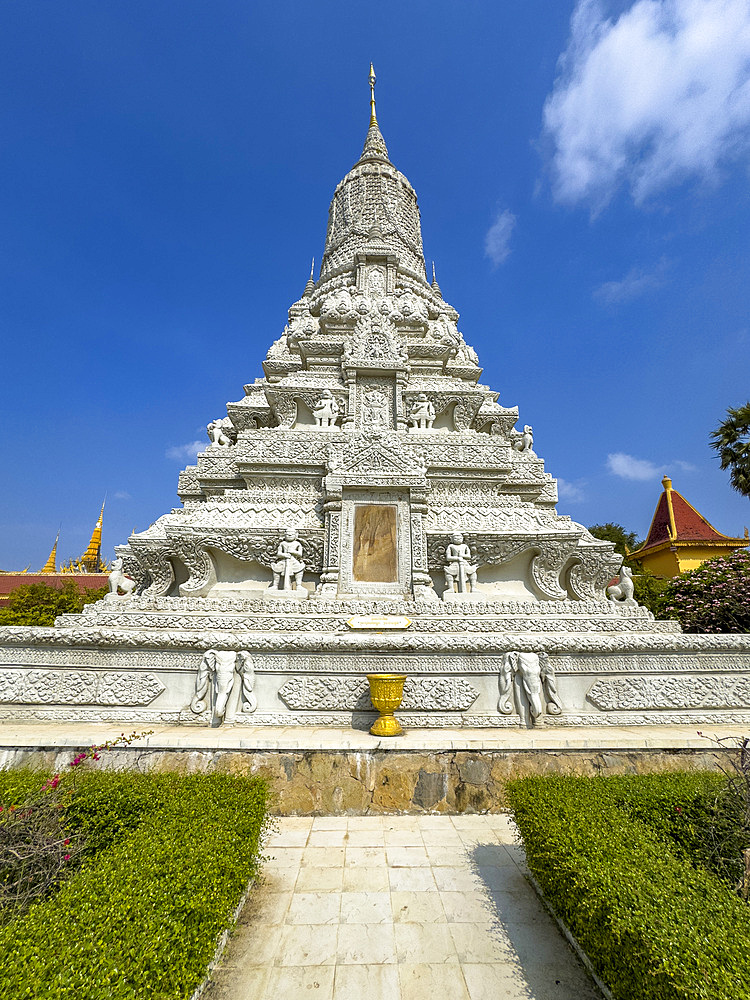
715 597
39 846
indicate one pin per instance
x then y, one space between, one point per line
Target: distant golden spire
91 560
373 116
51 565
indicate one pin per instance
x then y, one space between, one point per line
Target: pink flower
66 858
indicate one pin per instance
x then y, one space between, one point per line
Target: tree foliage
624 541
715 597
38 604
731 440
652 592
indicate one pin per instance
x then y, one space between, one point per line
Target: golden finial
373 116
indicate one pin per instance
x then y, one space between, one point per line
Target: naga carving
594 568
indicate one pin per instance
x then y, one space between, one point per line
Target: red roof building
680 538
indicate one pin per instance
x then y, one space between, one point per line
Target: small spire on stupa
310 286
435 285
372 78
51 565
91 560
375 147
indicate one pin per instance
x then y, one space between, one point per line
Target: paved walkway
385 907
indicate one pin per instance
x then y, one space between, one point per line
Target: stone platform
330 771
151 662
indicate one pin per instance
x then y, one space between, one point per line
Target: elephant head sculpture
219 669
532 677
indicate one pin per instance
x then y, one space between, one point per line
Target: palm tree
732 441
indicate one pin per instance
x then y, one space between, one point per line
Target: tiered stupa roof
371 384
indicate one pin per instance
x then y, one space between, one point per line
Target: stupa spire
375 147
51 565
435 285
310 286
372 78
92 557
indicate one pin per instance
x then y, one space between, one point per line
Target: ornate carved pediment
250 417
374 456
156 570
374 344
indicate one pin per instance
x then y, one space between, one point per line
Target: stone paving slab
33 735
407 907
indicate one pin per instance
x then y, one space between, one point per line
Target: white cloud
570 491
497 240
649 98
628 467
641 469
636 282
122 495
185 452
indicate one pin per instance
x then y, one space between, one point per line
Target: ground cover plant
628 864
161 862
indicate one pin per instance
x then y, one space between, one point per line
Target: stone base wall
329 782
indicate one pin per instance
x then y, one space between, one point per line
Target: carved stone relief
528 680
78 687
687 691
352 693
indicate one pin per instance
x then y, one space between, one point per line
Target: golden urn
386 692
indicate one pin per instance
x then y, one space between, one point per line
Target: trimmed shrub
141 917
655 925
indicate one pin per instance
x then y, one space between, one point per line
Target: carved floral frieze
78 687
688 691
353 693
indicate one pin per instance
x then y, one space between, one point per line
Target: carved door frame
398 498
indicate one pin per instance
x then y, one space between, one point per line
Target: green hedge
142 916
655 925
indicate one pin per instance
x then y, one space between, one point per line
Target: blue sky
582 172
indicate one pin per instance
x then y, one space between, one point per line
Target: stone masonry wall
322 783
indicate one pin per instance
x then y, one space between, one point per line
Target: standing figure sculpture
325 409
422 414
460 574
289 567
